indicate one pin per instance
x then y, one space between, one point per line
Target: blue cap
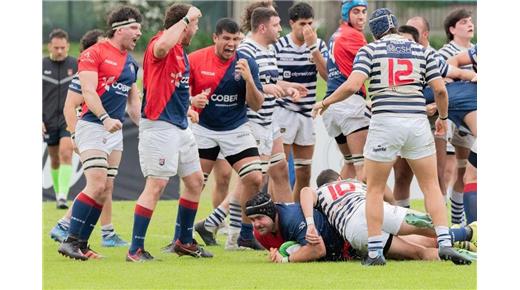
381 21
348 5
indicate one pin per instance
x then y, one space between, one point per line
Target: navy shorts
53 136
462 98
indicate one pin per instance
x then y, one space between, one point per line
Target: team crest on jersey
106 82
286 74
104 140
237 76
162 161
178 79
282 130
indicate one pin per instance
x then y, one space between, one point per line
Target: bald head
422 25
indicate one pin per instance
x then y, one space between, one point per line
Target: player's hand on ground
309 35
193 13
431 109
112 125
274 90
440 127
312 235
318 109
201 100
275 256
242 68
44 130
193 115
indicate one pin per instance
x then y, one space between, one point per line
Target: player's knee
65 157
250 173
278 164
195 184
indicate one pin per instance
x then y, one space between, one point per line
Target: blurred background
77 17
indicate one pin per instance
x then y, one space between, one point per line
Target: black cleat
192 249
207 236
71 248
140 256
449 253
252 244
377 261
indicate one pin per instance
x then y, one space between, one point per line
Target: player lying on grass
343 203
277 223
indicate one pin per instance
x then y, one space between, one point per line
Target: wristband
323 103
103 117
285 260
445 118
186 20
309 220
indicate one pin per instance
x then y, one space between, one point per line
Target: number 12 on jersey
396 75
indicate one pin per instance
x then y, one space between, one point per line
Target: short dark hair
452 19
326 176
122 13
301 10
246 18
261 15
58 33
227 25
90 38
410 30
175 13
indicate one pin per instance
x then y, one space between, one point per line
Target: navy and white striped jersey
339 200
295 65
268 72
441 62
473 56
451 49
398 69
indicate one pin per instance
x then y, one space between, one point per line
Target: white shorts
462 139
230 142
166 150
346 117
265 136
295 128
93 136
356 230
387 136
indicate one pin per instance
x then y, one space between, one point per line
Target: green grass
227 270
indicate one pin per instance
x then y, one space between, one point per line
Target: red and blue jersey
226 109
343 47
166 94
117 72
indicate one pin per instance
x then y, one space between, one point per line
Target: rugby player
398 107
166 144
107 74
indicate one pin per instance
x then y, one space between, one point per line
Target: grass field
227 270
